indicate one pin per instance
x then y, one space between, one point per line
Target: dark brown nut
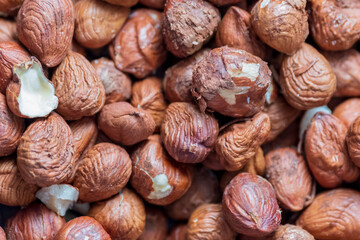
231 81
188 25
179 78
122 216
138 48
7 30
117 84
224 2
125 124
2 234
326 152
178 232
250 205
10 7
353 141
226 177
238 143
348 111
48 33
124 3
333 215
212 162
155 225
159 4
188 134
78 88
35 222
288 232
208 222
45 155
306 79
335 25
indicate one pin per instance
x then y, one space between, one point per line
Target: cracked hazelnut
289 232
7 30
353 141
155 225
159 4
178 232
348 111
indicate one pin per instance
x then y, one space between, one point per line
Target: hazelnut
288 231
75 47
153 3
348 111
155 225
188 25
2 234
256 164
7 30
213 162
10 7
178 232
124 3
231 81
307 117
353 141
224 2
188 134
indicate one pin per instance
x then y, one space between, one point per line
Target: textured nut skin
117 84
46 28
122 216
347 111
250 205
335 25
333 215
159 4
82 228
104 170
10 7
178 232
35 222
238 143
188 134
326 152
231 81
208 222
353 141
138 48
7 30
306 78
188 25
125 124
155 225
291 232
97 22
78 88
124 3
45 155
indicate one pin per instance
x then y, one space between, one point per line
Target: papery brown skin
122 216
78 88
188 134
334 214
231 81
213 162
291 232
138 48
250 205
7 30
224 2
178 232
125 124
155 225
159 4
35 222
188 25
46 28
117 84
45 155
326 152
10 7
348 111
306 79
124 3
353 141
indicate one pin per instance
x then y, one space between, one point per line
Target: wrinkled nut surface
288 232
178 232
188 134
353 141
153 3
124 3
231 81
348 111
7 30
256 164
155 225
250 205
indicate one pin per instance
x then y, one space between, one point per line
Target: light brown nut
188 134
122 216
231 81
138 48
7 30
256 164
326 152
104 170
333 215
306 78
348 111
78 88
288 232
159 4
188 25
353 141
45 155
224 2
48 33
117 84
212 162
155 225
178 232
250 205
125 124
10 7
124 3
238 143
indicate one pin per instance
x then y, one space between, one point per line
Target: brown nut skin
289 232
333 215
82 228
78 88
224 2
2 234
45 155
212 162
48 33
138 48
159 4
10 7
124 3
250 205
326 152
353 141
348 111
122 216
7 30
208 222
188 134
35 222
231 81
188 25
155 225
178 232
306 78
125 124
117 84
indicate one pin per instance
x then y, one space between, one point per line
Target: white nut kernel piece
161 187
307 117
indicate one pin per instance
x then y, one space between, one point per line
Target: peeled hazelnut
224 2
125 124
188 25
231 81
47 34
348 111
179 232
153 3
353 141
124 3
288 232
122 216
212 162
7 30
155 225
188 134
10 7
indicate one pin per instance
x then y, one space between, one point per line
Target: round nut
159 4
155 225
178 232
353 141
348 111
291 232
124 3
8 30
